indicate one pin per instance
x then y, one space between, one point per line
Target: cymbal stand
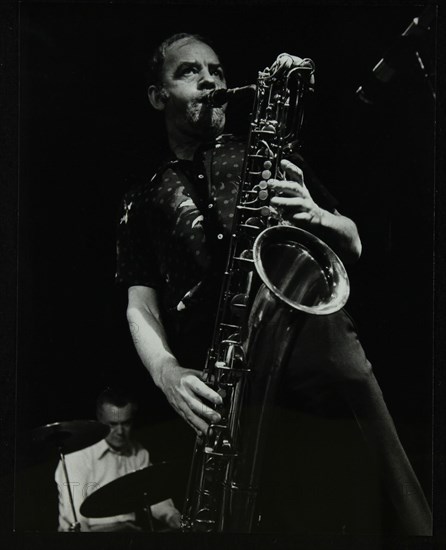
75 526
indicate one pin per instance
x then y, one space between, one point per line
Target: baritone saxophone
276 275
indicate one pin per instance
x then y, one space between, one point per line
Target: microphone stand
407 43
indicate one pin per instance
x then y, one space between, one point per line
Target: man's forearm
149 338
340 233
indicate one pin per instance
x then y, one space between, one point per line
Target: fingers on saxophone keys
204 412
199 425
292 170
288 201
303 216
285 188
207 393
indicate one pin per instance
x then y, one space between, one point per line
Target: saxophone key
239 302
227 325
247 263
221 365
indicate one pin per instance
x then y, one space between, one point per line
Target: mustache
204 106
215 98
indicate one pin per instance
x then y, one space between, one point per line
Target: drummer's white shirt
92 468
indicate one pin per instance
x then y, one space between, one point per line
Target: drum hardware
68 437
136 492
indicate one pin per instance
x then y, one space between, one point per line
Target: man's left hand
293 197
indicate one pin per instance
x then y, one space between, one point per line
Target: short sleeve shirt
173 236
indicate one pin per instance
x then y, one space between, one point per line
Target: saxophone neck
217 98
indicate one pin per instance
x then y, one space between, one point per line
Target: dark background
87 133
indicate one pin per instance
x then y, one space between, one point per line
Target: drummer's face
120 420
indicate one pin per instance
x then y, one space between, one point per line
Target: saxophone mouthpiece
217 98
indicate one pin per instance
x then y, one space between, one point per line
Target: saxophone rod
217 98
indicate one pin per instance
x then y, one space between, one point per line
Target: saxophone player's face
190 70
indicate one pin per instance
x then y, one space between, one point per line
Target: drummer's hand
189 396
293 197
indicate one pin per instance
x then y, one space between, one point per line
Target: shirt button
200 176
220 236
210 205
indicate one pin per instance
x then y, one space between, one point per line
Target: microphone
217 98
385 69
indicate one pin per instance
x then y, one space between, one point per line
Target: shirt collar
205 146
102 448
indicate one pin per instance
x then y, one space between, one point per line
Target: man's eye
219 73
189 70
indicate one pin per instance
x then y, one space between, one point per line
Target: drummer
95 466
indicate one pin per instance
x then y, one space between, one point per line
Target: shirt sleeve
144 457
135 254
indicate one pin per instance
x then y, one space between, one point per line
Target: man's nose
207 80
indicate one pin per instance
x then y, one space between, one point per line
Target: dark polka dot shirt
173 236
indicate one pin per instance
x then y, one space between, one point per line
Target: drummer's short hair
117 397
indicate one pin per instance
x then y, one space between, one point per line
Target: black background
86 132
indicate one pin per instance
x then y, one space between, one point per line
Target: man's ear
157 97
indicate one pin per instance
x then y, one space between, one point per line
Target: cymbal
129 493
68 436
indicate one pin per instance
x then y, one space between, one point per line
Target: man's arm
184 389
336 230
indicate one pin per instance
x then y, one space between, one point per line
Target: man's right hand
190 396
184 388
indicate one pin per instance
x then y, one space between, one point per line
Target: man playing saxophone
172 246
